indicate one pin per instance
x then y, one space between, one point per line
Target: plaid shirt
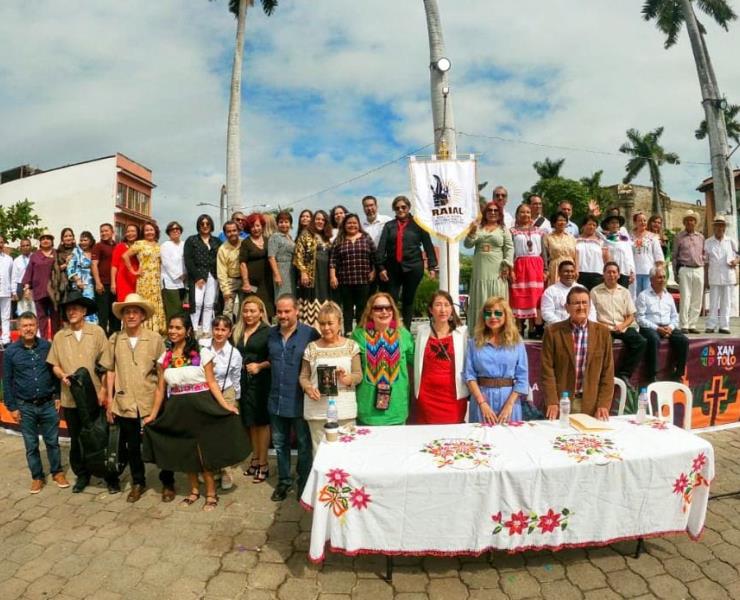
580 345
353 261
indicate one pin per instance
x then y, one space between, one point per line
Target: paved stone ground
92 545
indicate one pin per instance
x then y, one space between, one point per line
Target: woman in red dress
123 282
441 393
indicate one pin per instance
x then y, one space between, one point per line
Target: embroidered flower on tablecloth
585 446
337 477
658 424
458 453
350 436
686 485
339 495
523 523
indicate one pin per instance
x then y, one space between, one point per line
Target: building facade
633 198
111 189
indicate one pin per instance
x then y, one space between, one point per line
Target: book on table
588 424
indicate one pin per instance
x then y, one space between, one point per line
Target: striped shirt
580 346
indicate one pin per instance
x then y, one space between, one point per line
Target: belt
690 266
38 401
495 382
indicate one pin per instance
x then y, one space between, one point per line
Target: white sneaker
227 481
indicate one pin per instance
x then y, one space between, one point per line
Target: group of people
535 261
186 351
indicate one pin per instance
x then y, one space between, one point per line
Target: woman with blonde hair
331 368
250 339
386 351
496 368
439 387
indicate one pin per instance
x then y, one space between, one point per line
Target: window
132 199
121 195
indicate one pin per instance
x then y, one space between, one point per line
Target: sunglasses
493 210
499 195
493 313
401 207
381 308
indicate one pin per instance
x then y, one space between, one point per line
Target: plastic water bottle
565 410
642 405
332 416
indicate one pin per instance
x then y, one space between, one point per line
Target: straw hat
46 234
133 300
719 220
690 214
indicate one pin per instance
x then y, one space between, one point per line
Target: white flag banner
444 196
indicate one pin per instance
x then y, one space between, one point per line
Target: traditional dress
194 431
493 250
508 362
260 274
148 283
312 258
437 402
558 248
529 271
385 358
80 265
281 247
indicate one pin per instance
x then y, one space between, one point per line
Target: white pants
720 301
691 285
205 298
5 320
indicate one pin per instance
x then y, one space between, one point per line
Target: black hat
76 297
612 214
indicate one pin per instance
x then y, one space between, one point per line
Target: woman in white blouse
592 254
646 251
619 246
173 270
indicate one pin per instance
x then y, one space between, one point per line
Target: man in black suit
402 264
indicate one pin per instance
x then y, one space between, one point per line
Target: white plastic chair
664 391
619 383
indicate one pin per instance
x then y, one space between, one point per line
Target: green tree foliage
466 271
423 294
19 221
548 168
554 190
731 123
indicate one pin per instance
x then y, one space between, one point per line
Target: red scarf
399 238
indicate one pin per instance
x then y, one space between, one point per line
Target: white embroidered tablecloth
465 489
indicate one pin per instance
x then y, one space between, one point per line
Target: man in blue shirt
31 394
286 344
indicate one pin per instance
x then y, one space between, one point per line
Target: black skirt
195 433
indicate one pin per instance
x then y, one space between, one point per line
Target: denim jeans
42 419
281 428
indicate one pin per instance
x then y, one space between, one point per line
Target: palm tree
670 16
731 123
549 169
646 151
233 131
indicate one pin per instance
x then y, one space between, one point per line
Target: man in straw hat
722 258
78 345
36 280
130 359
688 265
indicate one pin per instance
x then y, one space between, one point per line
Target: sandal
190 499
251 471
263 472
211 503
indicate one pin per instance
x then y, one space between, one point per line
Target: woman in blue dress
79 269
496 368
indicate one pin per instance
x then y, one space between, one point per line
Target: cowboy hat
612 214
133 300
719 220
690 214
76 297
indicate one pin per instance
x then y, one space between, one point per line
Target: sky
335 89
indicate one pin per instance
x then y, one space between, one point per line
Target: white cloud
151 79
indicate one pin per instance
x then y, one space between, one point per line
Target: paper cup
331 430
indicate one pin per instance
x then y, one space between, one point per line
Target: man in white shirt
553 300
173 270
20 264
566 207
721 277
373 223
501 197
6 292
538 219
658 319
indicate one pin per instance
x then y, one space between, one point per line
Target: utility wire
498 138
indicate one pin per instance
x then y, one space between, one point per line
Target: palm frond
719 10
269 6
634 166
672 158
